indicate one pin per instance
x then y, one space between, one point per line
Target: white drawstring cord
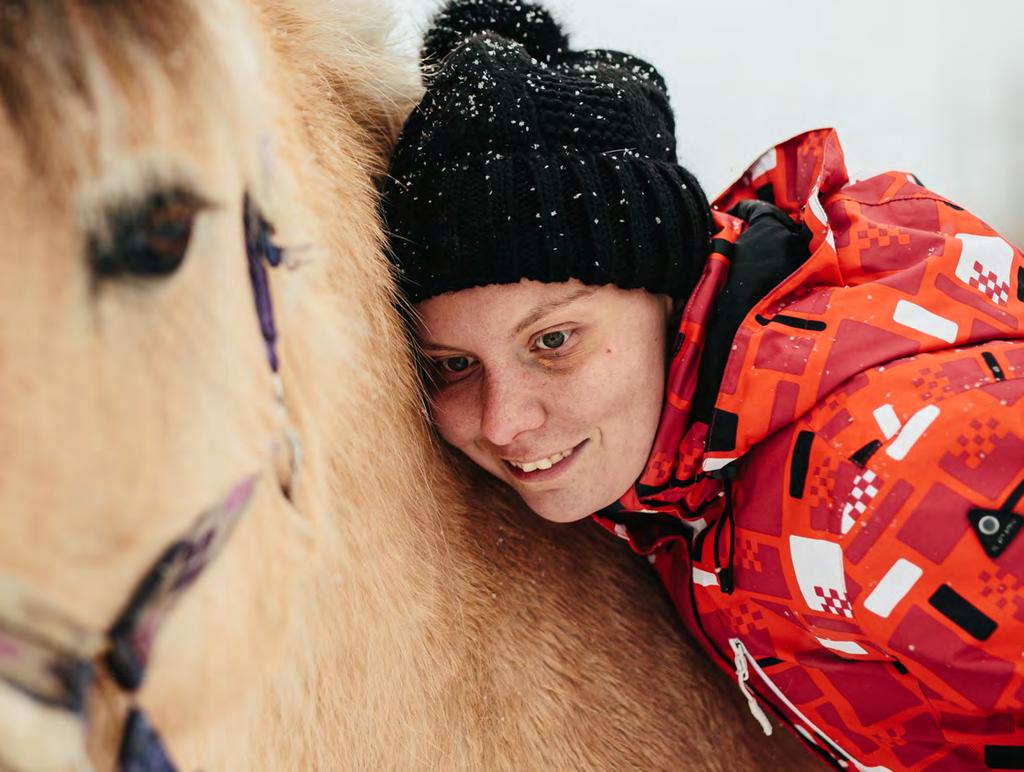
742 675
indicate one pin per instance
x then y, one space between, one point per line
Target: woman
808 411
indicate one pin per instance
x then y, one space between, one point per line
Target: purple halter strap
50 659
261 252
46 656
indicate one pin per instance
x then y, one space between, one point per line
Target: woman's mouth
545 468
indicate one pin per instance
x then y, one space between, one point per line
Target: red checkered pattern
976 447
821 483
745 619
746 555
1000 587
988 283
927 382
864 490
834 602
882 237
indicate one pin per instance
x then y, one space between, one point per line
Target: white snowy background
934 87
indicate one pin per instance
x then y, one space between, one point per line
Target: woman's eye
552 340
456 364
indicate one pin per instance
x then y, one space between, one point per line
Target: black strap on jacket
769 250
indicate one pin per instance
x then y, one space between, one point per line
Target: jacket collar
678 488
665 502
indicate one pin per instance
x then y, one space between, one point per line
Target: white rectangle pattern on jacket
893 587
911 432
921 319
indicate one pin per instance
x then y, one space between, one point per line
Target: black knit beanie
526 159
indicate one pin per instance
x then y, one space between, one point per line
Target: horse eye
149 239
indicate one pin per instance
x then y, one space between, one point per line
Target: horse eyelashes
146 240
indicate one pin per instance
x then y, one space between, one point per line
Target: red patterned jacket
841 526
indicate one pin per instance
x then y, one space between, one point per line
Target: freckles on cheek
442 418
450 419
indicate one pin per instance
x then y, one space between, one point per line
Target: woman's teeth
542 463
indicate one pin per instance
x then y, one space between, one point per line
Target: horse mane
351 48
63 62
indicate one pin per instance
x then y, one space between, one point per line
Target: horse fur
399 612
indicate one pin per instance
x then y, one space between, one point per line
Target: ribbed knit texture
542 164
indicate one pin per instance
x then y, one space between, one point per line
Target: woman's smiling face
555 388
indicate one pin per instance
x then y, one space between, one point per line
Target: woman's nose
511 405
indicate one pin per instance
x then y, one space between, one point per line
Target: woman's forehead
498 308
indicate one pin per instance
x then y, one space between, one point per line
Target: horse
229 536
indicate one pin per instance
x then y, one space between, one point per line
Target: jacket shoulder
921 466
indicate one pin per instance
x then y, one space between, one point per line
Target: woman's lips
542 475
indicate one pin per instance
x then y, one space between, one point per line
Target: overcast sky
932 87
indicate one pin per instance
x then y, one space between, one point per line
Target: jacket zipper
742 676
744 660
829 756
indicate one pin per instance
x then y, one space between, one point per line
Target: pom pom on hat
526 23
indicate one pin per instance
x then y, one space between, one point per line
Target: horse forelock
60 59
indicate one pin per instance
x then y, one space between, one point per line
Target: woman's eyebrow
542 310
426 345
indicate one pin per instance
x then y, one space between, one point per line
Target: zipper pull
725 582
742 675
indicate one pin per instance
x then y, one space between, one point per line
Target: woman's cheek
451 413
633 384
592 396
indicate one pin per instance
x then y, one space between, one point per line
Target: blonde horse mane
390 609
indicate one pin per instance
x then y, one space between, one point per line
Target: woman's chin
563 508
